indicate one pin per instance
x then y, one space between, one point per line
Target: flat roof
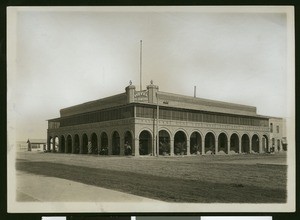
36 141
171 100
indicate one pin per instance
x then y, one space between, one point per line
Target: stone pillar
60 141
122 148
89 146
203 146
80 145
48 143
73 145
228 146
130 90
66 145
250 145
154 153
152 90
188 147
216 146
58 145
109 147
260 145
136 147
99 144
240 145
52 146
171 147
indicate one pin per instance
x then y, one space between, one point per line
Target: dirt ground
212 178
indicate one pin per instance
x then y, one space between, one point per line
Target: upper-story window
277 128
53 124
271 127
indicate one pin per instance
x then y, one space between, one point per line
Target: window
164 114
277 128
98 116
209 118
271 127
278 144
145 112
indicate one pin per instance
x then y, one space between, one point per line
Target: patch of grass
188 179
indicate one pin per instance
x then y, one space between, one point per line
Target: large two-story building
130 122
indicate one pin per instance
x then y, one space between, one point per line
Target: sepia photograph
150 109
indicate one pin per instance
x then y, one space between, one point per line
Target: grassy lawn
222 178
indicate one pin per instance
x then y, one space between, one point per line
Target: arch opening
245 144
210 142
164 143
255 144
84 144
195 143
234 143
94 144
62 144
51 144
115 143
272 148
145 143
223 143
278 145
128 143
69 144
56 144
104 144
180 146
265 144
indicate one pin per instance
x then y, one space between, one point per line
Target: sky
66 57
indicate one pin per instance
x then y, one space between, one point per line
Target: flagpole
141 47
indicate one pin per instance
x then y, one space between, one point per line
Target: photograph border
269 210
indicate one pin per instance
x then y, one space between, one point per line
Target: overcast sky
64 58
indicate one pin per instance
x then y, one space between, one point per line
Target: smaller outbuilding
36 144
